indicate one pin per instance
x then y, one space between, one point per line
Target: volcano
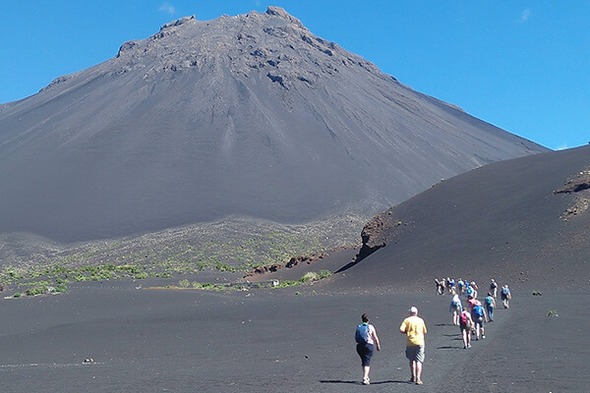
250 115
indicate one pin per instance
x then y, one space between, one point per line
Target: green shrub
140 276
184 283
35 291
208 286
309 276
288 283
313 276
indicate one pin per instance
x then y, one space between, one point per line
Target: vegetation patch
234 246
307 278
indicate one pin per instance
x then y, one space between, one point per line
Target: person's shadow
337 381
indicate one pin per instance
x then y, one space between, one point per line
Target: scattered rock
579 182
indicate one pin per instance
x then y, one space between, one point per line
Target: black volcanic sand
295 340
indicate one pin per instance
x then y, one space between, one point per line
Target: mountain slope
523 221
250 115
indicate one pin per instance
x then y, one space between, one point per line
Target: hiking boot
418 382
412 379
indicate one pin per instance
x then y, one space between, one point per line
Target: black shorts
365 351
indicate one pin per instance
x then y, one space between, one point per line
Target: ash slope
522 221
250 115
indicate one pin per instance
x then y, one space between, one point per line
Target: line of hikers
472 318
470 288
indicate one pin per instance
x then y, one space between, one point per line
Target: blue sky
523 66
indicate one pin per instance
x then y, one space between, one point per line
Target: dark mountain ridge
249 115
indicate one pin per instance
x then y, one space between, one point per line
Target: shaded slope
250 115
522 221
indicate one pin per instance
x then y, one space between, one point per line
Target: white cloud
562 147
525 15
168 8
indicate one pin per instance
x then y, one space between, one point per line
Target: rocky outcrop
294 261
379 231
579 182
579 186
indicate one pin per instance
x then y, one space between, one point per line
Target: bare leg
418 372
366 370
466 338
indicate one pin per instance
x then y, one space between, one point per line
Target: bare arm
376 339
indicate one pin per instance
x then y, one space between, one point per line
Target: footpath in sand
279 341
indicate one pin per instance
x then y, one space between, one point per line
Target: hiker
494 288
414 328
490 303
367 340
505 295
455 309
451 286
475 288
469 291
471 302
440 286
478 315
460 286
465 326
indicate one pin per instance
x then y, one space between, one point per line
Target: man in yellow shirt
414 328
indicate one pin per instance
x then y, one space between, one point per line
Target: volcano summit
251 115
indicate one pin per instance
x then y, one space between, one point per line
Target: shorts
479 321
415 352
365 351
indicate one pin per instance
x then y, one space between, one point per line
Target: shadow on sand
359 382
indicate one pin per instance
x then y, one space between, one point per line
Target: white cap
413 310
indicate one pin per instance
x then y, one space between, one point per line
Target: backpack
464 321
478 311
489 301
362 333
